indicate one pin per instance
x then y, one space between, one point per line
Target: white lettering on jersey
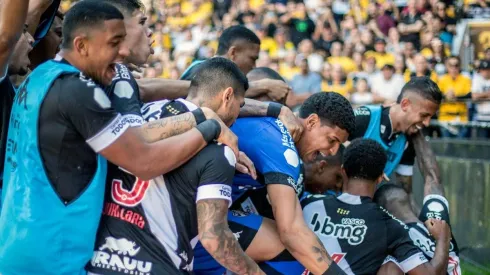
214 191
286 139
116 254
393 217
352 230
101 98
291 157
361 112
123 89
435 209
109 134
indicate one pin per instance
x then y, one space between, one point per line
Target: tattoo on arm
168 127
253 108
219 241
320 250
427 163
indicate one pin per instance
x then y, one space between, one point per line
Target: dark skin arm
217 238
427 163
36 10
12 20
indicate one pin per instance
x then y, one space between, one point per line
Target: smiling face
417 112
319 138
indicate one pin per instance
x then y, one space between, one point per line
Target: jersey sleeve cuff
109 134
213 192
412 262
284 179
436 197
404 170
133 120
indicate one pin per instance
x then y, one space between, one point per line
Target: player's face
230 107
138 38
320 138
103 48
321 177
20 62
418 112
245 57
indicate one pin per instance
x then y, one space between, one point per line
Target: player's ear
312 121
232 51
322 164
405 103
379 180
80 45
227 95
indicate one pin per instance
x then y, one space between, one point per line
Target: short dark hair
423 86
335 160
232 35
364 159
332 108
127 7
389 192
265 72
216 74
86 15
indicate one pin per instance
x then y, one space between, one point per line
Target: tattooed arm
217 238
168 127
299 240
254 108
427 163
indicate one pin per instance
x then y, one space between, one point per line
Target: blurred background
366 51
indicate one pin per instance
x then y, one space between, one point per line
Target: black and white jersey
434 207
358 234
150 227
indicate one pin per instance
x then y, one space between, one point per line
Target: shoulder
313 198
216 155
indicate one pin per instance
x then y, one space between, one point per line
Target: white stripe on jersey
214 191
133 120
330 243
109 134
158 211
412 262
191 106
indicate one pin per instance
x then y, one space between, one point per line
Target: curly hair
364 159
332 108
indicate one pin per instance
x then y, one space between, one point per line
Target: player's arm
427 163
153 89
254 108
404 170
299 240
36 10
12 19
215 165
278 90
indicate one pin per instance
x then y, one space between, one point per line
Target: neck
360 187
405 214
69 56
395 117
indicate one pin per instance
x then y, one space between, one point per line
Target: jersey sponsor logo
225 191
123 89
152 111
362 112
425 243
117 254
116 211
286 139
121 72
291 157
238 213
121 125
129 198
249 207
101 98
354 231
435 209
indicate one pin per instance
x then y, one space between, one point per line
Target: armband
199 116
210 129
274 109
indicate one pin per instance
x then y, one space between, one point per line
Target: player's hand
291 122
439 229
228 138
135 70
245 165
277 90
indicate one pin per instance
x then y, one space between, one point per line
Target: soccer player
260 73
359 234
418 101
62 130
435 206
328 119
155 224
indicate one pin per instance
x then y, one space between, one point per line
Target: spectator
337 58
362 96
315 60
409 53
302 27
394 46
437 56
387 84
382 57
454 86
411 24
339 82
421 69
282 44
288 68
305 84
480 89
326 39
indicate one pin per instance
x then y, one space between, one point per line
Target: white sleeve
476 84
404 170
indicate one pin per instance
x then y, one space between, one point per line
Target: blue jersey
267 142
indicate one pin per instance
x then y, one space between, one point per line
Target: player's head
264 73
325 173
49 45
328 120
392 198
241 46
19 62
363 162
93 35
419 100
138 33
220 85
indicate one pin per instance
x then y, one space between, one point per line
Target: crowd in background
364 50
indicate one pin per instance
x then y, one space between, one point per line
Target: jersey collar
353 199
